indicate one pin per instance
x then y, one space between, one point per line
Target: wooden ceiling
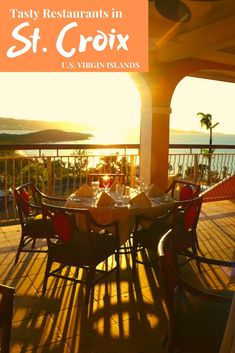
209 35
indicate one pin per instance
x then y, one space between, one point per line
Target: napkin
141 200
115 182
84 191
105 200
155 191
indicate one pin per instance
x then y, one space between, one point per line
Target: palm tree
206 121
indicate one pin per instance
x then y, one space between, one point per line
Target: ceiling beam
213 36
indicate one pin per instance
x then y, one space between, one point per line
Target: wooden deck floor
126 319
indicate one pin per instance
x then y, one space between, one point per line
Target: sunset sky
193 95
92 100
110 102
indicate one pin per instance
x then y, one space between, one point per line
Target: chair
196 317
182 190
28 200
183 219
6 312
85 248
146 234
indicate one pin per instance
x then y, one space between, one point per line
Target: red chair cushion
62 226
186 193
190 216
24 206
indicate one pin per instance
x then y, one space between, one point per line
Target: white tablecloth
126 216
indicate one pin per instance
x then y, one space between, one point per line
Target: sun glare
103 102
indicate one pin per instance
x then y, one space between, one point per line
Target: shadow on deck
129 318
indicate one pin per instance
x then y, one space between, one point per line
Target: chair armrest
66 209
112 227
184 203
167 260
47 197
209 261
101 225
171 187
81 210
7 289
32 206
209 295
142 218
114 223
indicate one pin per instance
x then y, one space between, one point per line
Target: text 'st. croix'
94 35
99 41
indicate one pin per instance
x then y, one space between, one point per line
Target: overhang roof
209 35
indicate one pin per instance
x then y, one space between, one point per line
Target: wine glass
140 184
119 190
106 182
95 188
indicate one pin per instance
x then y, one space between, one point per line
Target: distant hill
193 132
23 124
177 131
51 135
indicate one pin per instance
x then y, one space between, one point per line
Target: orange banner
74 35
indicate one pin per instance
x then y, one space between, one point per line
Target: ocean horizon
116 137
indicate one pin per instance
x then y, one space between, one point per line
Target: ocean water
191 139
218 139
115 137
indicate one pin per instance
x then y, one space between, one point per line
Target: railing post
49 176
132 171
195 169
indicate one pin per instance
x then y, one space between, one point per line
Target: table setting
119 202
118 195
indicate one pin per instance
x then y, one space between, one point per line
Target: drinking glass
122 196
95 186
141 185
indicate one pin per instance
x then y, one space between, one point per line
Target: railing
58 169
195 163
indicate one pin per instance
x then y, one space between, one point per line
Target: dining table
124 211
228 341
